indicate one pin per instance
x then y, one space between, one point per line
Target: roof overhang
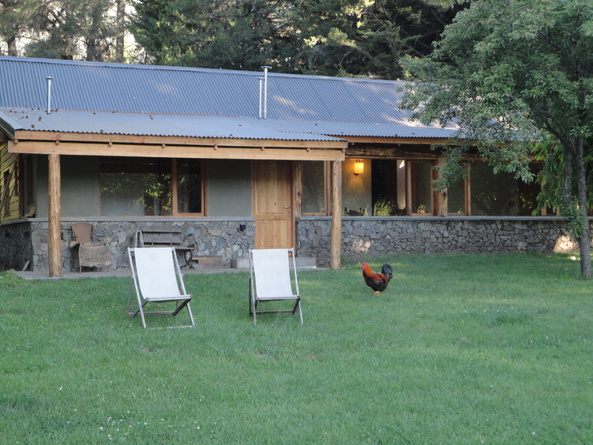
94 133
196 148
161 136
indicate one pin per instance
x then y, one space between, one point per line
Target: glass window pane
456 198
189 186
357 199
139 188
313 188
384 187
421 178
500 194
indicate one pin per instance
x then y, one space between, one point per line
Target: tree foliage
515 72
18 18
228 34
64 29
328 37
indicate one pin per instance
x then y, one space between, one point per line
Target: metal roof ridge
196 70
15 110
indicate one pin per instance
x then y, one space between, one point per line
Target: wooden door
272 204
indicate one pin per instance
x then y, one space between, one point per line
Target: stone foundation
364 237
16 247
212 237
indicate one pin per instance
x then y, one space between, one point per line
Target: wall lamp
358 167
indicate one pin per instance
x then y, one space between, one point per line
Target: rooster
377 281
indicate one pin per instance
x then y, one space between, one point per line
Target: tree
515 72
67 29
327 37
230 34
81 29
18 19
394 29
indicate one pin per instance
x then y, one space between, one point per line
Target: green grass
458 350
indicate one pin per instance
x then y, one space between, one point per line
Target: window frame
326 189
174 191
410 188
467 192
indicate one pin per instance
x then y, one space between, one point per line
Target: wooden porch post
54 223
336 230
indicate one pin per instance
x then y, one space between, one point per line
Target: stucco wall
79 186
228 187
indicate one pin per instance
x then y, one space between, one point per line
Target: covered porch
241 144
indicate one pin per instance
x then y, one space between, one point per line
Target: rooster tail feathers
387 271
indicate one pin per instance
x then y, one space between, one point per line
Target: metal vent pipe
49 80
261 82
265 113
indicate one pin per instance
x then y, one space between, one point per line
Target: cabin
233 160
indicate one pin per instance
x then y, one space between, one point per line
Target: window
387 187
500 194
151 187
457 196
314 192
420 185
384 187
393 187
188 186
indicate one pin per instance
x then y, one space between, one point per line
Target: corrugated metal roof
338 129
150 125
297 103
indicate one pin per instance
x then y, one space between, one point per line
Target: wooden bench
201 259
163 236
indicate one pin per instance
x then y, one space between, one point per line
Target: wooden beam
180 140
336 229
394 140
178 151
49 136
54 241
389 151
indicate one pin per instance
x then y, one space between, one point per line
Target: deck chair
156 278
269 280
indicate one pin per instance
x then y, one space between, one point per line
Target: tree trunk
11 43
120 31
584 239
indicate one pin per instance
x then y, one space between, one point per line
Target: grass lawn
458 350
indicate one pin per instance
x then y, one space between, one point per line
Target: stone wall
363 237
212 237
15 245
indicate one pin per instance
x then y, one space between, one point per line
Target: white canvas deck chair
269 280
156 278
